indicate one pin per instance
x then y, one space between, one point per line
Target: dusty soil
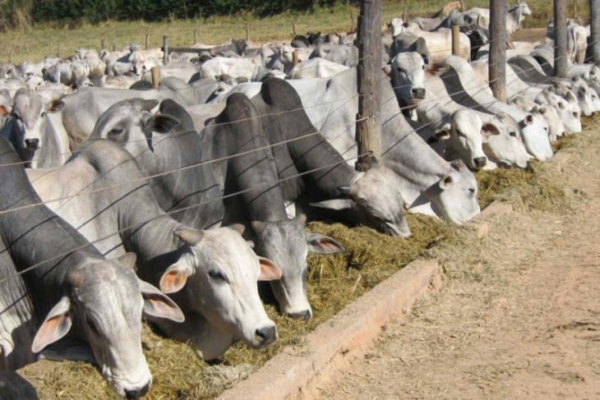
518 315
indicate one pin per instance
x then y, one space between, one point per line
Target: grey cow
69 302
210 274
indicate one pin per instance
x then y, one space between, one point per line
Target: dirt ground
518 317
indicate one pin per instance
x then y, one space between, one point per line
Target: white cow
439 43
514 16
316 68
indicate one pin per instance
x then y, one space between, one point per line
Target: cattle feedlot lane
519 318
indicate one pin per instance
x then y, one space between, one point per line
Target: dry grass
49 39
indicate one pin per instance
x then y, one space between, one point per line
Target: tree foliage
11 11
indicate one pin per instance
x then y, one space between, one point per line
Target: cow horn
239 228
189 236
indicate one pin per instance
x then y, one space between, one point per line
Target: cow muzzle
304 315
265 336
479 162
137 393
32 144
418 93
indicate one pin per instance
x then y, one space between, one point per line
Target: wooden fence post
114 47
147 41
102 44
165 49
497 58
195 36
560 38
155 73
247 31
368 126
455 40
595 28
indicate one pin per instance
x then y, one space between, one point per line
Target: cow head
103 302
375 199
465 135
568 113
523 8
288 243
454 197
534 131
216 276
131 121
507 148
408 77
26 129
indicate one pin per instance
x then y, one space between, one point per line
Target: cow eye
216 276
472 190
114 133
93 326
575 114
513 134
423 67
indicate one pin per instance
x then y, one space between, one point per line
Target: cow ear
55 106
160 123
528 120
571 97
443 133
56 325
321 244
158 305
258 226
542 110
269 271
175 278
488 130
128 259
4 111
334 204
446 182
148 105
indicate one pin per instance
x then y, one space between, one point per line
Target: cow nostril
305 315
137 393
418 93
32 143
480 161
267 335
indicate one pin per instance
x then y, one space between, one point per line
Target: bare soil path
518 318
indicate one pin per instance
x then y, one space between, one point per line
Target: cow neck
207 339
146 230
414 161
189 194
308 151
18 316
36 236
254 174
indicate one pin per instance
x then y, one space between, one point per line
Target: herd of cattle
123 199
